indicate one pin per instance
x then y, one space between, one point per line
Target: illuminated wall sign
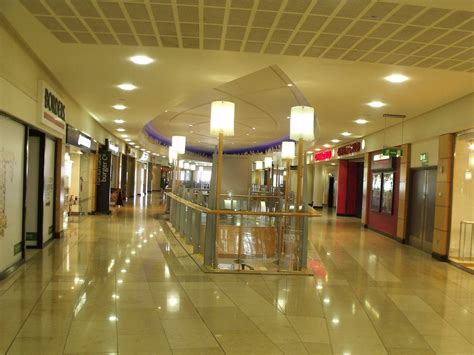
144 157
84 141
52 110
325 155
113 147
382 162
349 149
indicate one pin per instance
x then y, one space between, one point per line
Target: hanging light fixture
287 150
258 165
222 118
186 166
178 143
172 155
302 123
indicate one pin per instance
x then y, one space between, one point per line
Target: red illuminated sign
349 149
327 154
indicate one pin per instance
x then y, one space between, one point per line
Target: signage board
51 107
324 155
349 149
84 141
392 152
80 139
424 159
113 148
382 162
103 181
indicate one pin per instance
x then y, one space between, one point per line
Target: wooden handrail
249 213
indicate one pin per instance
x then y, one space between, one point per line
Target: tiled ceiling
358 30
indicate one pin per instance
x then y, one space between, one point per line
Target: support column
299 177
365 189
403 192
443 202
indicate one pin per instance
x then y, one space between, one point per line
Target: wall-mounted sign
84 141
325 155
392 152
382 162
113 147
52 110
349 149
144 156
424 159
103 181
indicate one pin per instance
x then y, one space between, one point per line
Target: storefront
13 138
80 167
461 246
325 179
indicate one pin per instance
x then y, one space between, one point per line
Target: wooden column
287 184
365 189
299 181
403 192
444 180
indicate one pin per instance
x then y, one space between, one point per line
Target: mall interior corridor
123 284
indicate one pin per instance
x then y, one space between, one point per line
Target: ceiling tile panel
353 55
353 8
243 4
60 8
212 44
189 29
463 67
212 31
360 28
166 28
264 19
111 10
388 46
408 48
468 26
368 43
274 48
430 16
303 38
467 42
452 37
299 6
313 23
288 21
236 33
106 38
294 50
429 50
281 36
137 11
169 41
143 28
218 3
96 25
324 40
405 13
448 52
447 64
407 32
127 40
334 53
346 42
457 18
258 34
253 47
120 26
379 10
190 42
273 5
148 41
232 45
392 58
430 35
337 25
50 23
163 13
384 30
410 61
314 51
373 57
325 7
73 23
428 62
214 15
239 17
85 37
188 14
85 8
469 54
64 37
35 7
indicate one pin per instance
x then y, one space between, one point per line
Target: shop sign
392 152
103 181
382 162
424 159
349 149
84 141
325 155
52 110
144 157
113 147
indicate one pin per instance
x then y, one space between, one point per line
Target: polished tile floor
116 284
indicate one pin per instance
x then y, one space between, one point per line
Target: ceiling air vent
392 115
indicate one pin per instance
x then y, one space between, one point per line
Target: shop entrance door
422 208
331 192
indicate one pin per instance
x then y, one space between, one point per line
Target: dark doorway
331 192
360 189
422 209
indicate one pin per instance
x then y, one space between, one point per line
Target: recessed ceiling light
121 129
127 87
346 134
471 146
127 139
396 78
119 107
137 146
318 149
327 145
335 140
141 59
142 149
361 121
253 128
290 85
309 152
376 104
119 121
124 135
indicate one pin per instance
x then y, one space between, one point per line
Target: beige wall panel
441 218
443 194
445 170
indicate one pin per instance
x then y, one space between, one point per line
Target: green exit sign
392 152
424 159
